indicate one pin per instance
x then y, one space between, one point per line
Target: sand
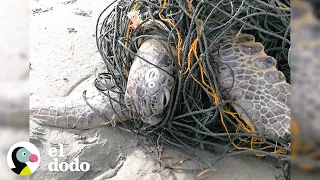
63 53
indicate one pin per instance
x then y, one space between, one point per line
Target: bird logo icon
23 158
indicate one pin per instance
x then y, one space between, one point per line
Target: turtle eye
24 154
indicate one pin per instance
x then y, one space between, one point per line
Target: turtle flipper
75 111
259 91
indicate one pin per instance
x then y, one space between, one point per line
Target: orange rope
176 29
128 33
128 28
190 7
248 127
192 49
242 124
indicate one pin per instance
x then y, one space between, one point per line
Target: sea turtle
260 92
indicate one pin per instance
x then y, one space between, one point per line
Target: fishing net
198 118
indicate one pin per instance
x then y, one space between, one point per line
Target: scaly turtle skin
74 112
259 91
149 88
151 77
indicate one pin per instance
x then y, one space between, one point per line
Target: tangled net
198 118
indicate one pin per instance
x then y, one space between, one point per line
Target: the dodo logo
23 158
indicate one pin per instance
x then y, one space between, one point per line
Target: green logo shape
23 158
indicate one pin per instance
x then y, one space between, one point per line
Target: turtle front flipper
83 111
258 90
